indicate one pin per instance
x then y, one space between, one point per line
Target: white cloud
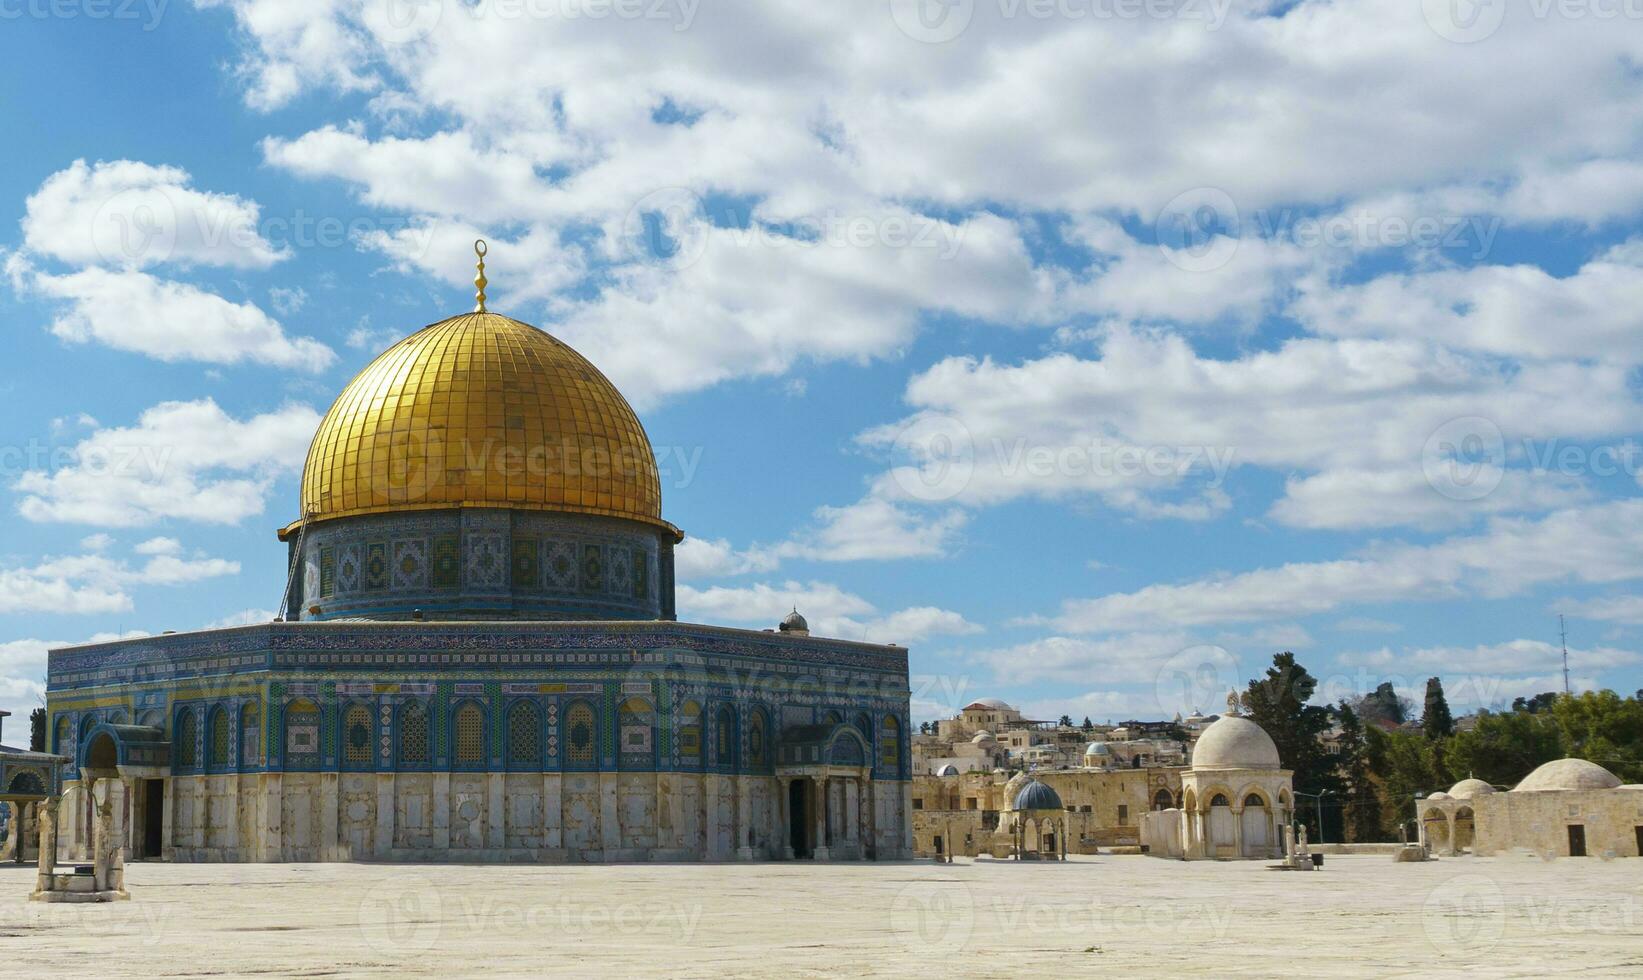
184 460
287 301
1153 428
1367 624
1514 311
1599 544
159 546
830 610
165 320
245 617
97 583
873 529
129 214
1617 609
701 558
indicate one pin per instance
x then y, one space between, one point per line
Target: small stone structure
1565 808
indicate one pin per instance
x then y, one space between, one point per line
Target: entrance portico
826 793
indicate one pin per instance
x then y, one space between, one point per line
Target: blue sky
1094 355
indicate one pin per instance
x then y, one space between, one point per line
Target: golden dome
481 411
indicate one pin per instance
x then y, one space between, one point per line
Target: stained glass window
690 734
524 736
755 740
890 745
63 730
183 743
579 735
217 750
413 734
470 736
357 736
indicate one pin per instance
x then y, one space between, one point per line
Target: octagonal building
478 658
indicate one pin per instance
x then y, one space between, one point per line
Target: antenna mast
1563 634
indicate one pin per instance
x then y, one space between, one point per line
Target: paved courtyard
1134 916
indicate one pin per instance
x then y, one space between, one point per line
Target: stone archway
1465 829
1435 825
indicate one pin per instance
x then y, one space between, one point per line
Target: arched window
250 737
216 747
469 726
524 737
1254 799
690 734
756 737
635 723
183 742
413 734
1219 800
724 735
864 724
1161 800
358 737
832 718
890 745
581 737
302 723
64 736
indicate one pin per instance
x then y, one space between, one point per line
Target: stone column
330 804
231 833
744 819
784 804
273 816
852 816
610 822
552 832
1238 831
382 838
128 810
496 837
440 818
48 846
818 785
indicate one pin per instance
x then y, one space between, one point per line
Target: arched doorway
1220 824
1436 825
798 817
1465 831
1257 819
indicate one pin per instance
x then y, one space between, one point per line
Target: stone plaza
1361 915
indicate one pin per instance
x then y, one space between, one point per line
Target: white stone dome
948 770
1439 796
1235 742
1567 774
981 737
1468 789
1013 787
1097 748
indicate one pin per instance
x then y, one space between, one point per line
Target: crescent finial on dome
480 282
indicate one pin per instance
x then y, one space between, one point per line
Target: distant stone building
1565 808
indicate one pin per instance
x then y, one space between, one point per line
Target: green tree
1088 725
37 730
1503 747
1066 721
1406 765
1436 721
1363 804
1278 703
1604 727
1540 702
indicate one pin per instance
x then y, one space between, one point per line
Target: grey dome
1235 742
793 623
1037 796
1568 774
